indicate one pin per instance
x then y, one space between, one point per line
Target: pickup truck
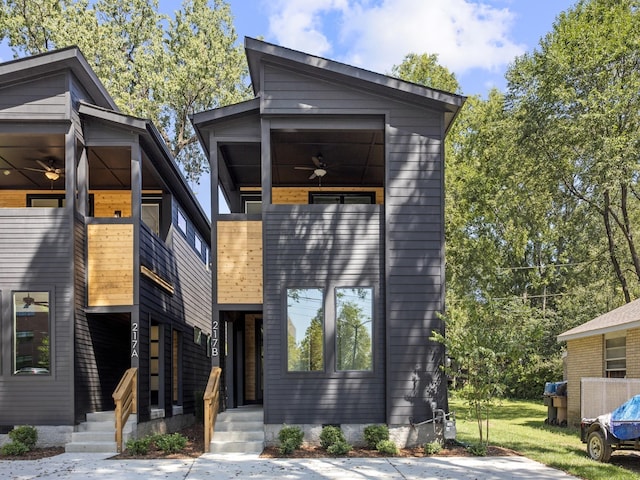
617 430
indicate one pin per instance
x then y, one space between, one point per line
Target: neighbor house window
615 355
354 327
31 333
351 198
305 329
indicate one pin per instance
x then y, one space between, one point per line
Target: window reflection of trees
354 327
305 314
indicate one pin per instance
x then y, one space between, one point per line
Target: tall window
150 212
616 356
31 333
354 323
305 329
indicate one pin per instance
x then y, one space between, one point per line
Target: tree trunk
627 231
612 252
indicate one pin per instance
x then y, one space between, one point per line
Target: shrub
478 449
388 447
373 434
432 448
138 446
290 439
339 447
25 434
15 448
171 442
331 435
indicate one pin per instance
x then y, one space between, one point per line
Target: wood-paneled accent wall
240 262
300 195
110 265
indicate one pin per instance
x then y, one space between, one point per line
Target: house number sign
134 340
215 339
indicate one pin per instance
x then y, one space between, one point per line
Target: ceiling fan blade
313 175
304 168
317 160
44 165
39 170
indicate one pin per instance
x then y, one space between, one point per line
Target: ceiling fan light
51 175
320 172
6 172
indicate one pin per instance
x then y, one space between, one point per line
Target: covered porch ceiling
345 158
38 162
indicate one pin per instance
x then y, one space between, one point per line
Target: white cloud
376 35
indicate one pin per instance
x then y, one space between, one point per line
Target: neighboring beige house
607 346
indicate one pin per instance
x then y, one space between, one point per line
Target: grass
519 425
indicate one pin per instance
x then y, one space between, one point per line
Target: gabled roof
70 58
622 318
258 52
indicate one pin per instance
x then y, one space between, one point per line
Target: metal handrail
211 399
125 397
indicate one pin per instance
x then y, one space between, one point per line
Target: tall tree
155 66
577 103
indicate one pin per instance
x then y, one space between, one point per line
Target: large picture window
305 329
31 333
354 324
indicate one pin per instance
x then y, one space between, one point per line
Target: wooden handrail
211 400
126 398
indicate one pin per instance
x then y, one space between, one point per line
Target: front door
244 359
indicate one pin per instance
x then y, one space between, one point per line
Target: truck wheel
598 447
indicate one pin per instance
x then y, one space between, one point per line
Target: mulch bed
195 448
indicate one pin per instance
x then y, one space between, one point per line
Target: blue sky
477 40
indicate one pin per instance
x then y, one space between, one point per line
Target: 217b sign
215 339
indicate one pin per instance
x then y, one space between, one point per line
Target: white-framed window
615 355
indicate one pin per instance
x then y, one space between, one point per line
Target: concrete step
239 430
91 447
79 437
98 433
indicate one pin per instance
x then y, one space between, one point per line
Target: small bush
388 447
25 434
331 435
373 434
171 442
478 449
432 448
15 448
290 439
139 446
339 447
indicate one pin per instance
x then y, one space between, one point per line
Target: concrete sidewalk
87 466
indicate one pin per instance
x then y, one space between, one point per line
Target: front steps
239 430
98 434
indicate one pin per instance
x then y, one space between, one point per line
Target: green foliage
374 434
340 447
387 447
170 442
290 438
432 448
331 435
155 66
14 448
138 446
478 449
25 434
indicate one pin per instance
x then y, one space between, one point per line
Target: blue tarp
625 420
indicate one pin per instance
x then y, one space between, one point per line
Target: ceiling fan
49 169
319 169
29 300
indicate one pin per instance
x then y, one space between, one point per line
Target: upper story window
151 209
251 203
346 198
615 355
52 200
182 222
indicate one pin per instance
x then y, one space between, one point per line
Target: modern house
328 272
605 348
104 257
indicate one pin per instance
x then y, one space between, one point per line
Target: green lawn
519 425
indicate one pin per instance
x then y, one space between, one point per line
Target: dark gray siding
41 99
34 254
189 307
325 246
415 263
